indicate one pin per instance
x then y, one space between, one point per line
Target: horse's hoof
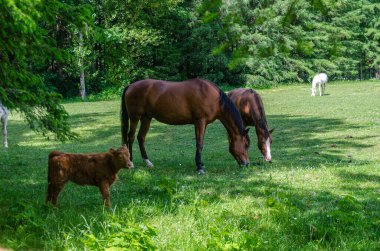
148 163
201 172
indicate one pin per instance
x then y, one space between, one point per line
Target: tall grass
321 192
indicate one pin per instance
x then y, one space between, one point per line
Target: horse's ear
271 131
111 150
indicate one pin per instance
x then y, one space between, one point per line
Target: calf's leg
53 192
49 195
104 188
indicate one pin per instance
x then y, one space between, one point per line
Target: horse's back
320 78
173 102
248 102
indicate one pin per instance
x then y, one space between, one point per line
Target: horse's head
264 141
239 145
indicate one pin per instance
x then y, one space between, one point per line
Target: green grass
322 191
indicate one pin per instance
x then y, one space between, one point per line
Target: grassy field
322 191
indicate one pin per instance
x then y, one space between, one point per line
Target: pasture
322 190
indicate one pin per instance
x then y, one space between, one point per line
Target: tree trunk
59 37
378 72
82 87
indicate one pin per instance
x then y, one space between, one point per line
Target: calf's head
121 157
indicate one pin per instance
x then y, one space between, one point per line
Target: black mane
263 121
230 108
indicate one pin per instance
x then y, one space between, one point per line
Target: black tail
124 120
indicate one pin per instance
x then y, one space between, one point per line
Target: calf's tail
124 120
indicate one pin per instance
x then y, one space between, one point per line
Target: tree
25 51
291 40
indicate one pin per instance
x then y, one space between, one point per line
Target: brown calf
85 169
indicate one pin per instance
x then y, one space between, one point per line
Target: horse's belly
173 119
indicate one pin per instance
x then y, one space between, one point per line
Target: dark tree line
55 48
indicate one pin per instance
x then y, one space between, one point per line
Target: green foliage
25 47
140 42
107 232
117 234
292 40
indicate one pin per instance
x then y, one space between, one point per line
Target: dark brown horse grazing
251 108
195 101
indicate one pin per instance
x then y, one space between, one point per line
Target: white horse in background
320 80
4 112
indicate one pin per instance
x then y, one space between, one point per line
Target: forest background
51 49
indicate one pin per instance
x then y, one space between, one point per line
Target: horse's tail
124 120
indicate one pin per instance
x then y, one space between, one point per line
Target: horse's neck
261 125
229 123
230 116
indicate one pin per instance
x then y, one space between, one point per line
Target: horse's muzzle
268 159
244 163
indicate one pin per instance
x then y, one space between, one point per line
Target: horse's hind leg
131 134
200 127
144 127
323 88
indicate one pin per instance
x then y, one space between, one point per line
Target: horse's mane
230 108
263 121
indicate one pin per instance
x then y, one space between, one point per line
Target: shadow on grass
298 141
362 177
303 139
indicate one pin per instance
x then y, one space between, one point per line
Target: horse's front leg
144 127
200 127
313 90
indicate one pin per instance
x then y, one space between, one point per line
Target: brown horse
251 108
195 101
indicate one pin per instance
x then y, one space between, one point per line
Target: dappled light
322 186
